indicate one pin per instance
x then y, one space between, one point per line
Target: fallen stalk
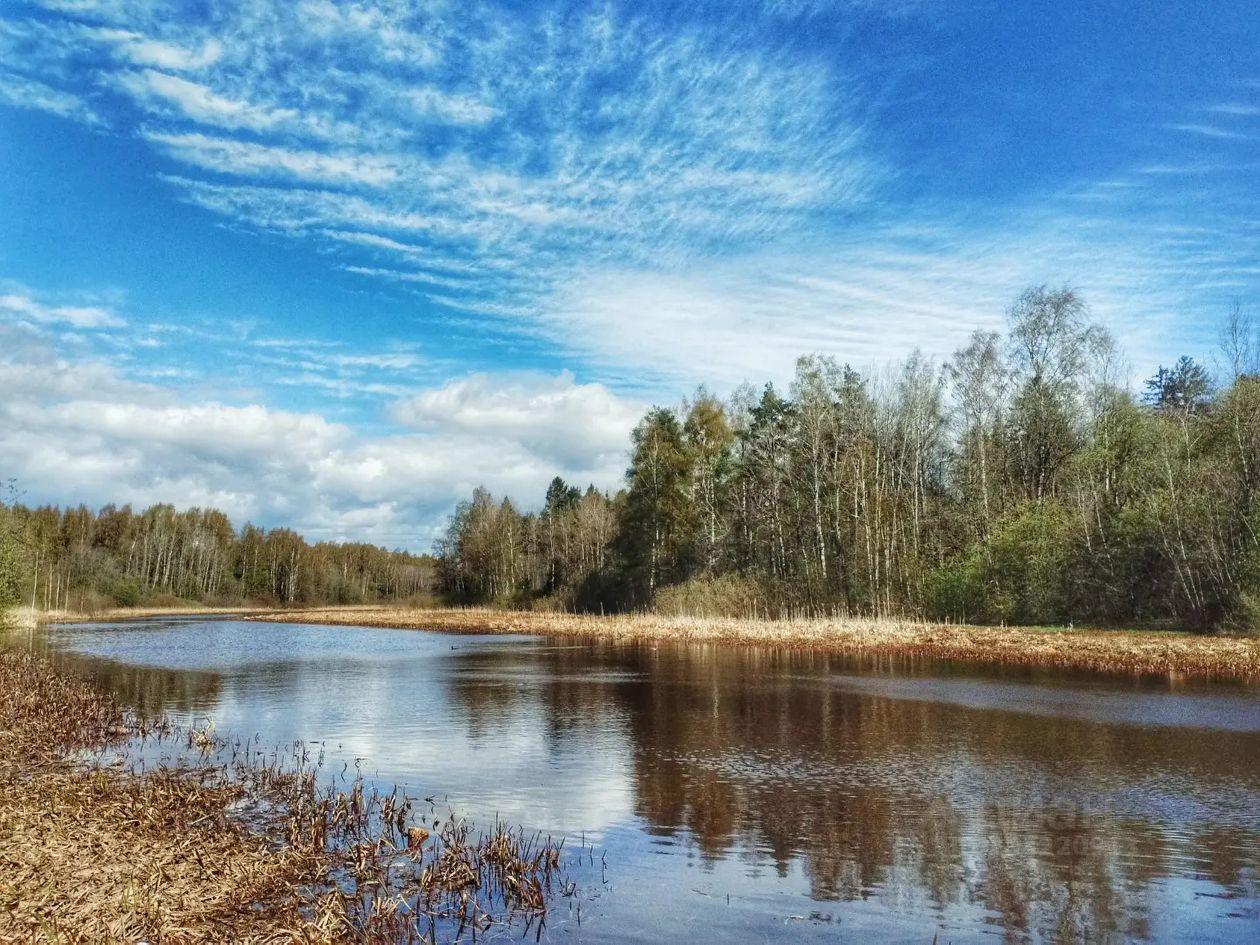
225 843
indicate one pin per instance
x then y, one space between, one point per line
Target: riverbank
1105 651
218 846
24 616
93 853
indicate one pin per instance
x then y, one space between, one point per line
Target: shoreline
224 844
24 616
1123 652
1152 653
168 859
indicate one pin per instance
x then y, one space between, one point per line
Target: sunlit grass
100 851
1125 651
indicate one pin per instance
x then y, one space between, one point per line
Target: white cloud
564 136
1235 108
395 275
228 156
876 298
393 361
451 107
25 92
198 102
672 206
557 418
20 304
77 429
144 51
1208 131
409 251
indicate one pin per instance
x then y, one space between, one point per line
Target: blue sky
332 264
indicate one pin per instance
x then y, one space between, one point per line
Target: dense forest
75 558
1021 481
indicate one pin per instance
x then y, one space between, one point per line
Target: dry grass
93 854
25 615
99 852
1109 651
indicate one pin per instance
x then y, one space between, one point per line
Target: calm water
748 796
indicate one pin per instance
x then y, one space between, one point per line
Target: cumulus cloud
670 206
76 428
555 417
666 206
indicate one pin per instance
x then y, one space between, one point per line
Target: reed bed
225 844
1161 653
27 616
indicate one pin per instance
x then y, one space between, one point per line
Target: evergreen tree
657 518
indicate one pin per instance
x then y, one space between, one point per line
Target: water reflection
897 800
1051 826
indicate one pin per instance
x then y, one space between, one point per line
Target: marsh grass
1154 652
223 843
96 614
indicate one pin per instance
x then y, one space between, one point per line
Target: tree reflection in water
1058 828
1033 806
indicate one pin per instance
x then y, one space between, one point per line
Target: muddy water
749 796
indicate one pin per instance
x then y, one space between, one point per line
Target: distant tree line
1021 481
74 558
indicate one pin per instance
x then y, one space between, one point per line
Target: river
742 795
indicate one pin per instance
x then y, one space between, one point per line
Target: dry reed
1162 653
225 845
28 616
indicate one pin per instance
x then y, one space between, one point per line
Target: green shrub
956 590
10 571
1244 617
126 592
1021 574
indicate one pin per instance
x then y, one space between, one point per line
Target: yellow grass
101 852
1122 651
99 855
24 615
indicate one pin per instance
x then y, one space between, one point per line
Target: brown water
749 796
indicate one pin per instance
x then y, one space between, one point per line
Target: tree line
76 558
1020 481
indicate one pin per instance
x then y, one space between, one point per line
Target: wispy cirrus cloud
141 50
460 109
244 158
20 304
1209 131
653 195
25 92
164 94
531 139
1235 109
662 205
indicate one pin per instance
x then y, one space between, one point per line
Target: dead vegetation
224 845
1106 651
92 615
